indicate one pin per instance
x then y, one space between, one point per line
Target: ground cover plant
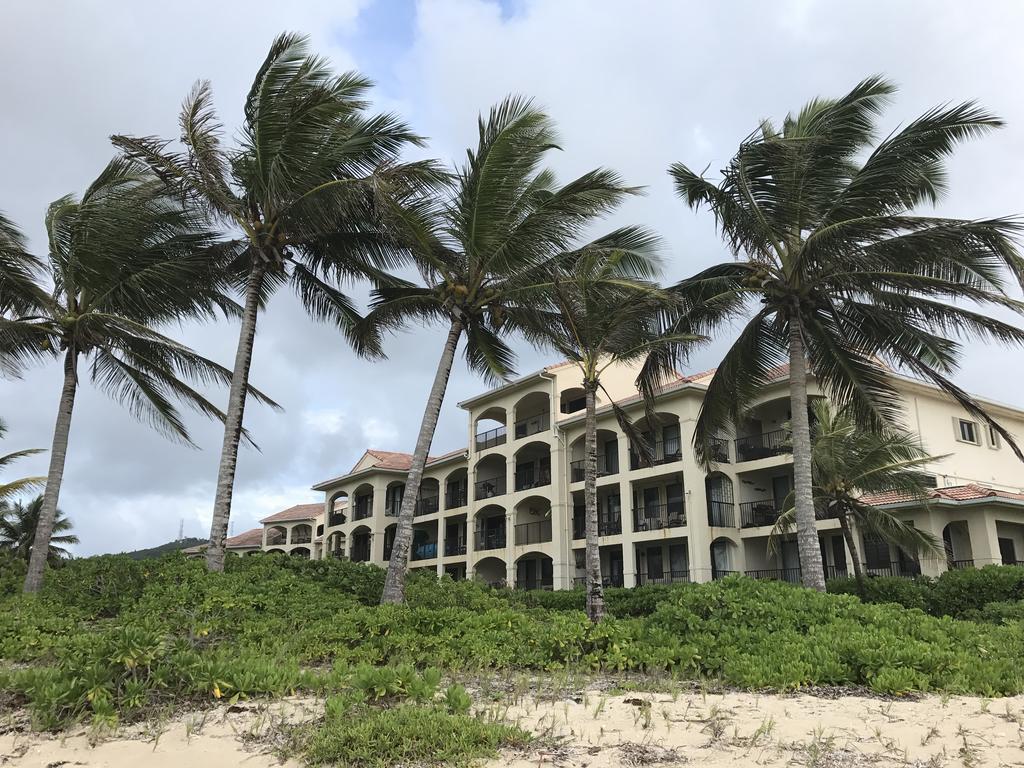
112 639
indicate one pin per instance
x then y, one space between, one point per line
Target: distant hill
171 546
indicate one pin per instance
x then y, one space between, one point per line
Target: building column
981 527
508 552
440 546
630 577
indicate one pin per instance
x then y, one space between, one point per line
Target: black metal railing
532 533
546 586
301 538
905 568
719 449
578 470
492 539
426 506
615 580
721 573
455 497
665 577
662 452
393 508
335 518
836 572
531 426
488 489
754 514
453 548
957 565
360 553
653 517
425 551
529 479
491 438
762 446
792 575
608 524
720 514
362 510
337 554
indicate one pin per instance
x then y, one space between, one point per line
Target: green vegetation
18 525
111 638
171 546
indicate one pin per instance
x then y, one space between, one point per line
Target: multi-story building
509 508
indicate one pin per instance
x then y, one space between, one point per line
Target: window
930 481
993 437
967 431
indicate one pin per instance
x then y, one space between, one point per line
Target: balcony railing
301 538
836 572
578 470
531 426
335 518
754 514
662 453
957 565
907 569
362 511
532 533
721 573
720 514
719 449
426 506
665 577
792 575
525 480
455 498
425 551
615 580
488 489
654 517
491 438
763 446
608 524
454 548
493 539
360 553
393 508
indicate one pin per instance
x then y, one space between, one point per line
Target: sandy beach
599 729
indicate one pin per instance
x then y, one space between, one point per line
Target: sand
600 729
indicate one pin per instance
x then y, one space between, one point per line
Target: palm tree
18 272
846 275
604 312
14 487
19 523
303 195
485 252
848 462
123 260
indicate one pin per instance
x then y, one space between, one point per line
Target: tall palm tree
302 194
845 273
19 523
606 311
123 260
485 251
13 487
848 462
18 272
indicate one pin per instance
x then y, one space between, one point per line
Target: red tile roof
402 461
298 512
253 538
969 492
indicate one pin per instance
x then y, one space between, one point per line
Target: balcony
532 533
904 568
579 582
791 575
763 446
454 548
531 426
664 577
360 552
526 479
301 538
335 518
654 517
578 469
490 539
425 551
957 565
488 489
362 511
718 449
662 453
426 506
754 514
721 573
455 497
720 514
393 508
608 524
491 438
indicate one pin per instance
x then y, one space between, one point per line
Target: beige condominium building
509 509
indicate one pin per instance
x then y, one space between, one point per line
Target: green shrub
910 593
12 575
101 586
956 592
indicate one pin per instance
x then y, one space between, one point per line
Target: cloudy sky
633 86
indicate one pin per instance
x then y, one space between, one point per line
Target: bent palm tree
13 487
123 260
845 273
19 271
848 462
303 191
19 523
484 253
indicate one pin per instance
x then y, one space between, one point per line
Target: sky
631 86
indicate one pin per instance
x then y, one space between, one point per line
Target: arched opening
336 545
301 534
337 505
659 503
490 428
393 496
722 557
663 561
532 414
424 541
275 551
718 490
490 478
534 570
429 501
389 539
764 431
302 552
609 512
956 540
662 438
533 466
532 521
456 489
363 506
490 570
572 400
490 528
607 456
361 545
276 534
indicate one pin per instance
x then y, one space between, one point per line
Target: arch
572 400
719 495
534 570
662 433
362 502
489 528
393 495
337 506
723 557
275 551
490 477
607 455
531 414
301 534
491 570
490 428
300 552
335 544
429 501
956 540
359 550
532 521
533 465
276 534
389 539
456 488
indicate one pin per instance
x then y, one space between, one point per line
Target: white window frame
958 425
993 438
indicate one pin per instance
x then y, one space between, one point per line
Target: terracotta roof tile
968 492
253 538
298 512
402 461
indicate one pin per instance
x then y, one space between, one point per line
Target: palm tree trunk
813 575
595 587
851 544
48 513
233 422
394 583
